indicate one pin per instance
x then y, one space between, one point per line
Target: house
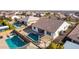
73 17
62 16
29 20
74 35
70 45
15 17
50 26
77 14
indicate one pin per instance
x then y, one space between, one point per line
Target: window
40 31
34 27
48 33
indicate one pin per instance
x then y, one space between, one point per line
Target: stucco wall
36 29
63 27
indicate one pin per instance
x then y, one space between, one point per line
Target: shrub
54 45
4 22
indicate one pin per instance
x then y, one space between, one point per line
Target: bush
54 45
11 26
4 22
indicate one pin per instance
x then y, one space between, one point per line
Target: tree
47 13
54 45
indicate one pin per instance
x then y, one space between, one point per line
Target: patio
45 41
4 35
29 30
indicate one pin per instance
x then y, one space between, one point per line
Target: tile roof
74 35
48 24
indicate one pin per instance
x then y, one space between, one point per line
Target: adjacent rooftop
74 35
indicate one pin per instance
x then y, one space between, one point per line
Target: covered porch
42 32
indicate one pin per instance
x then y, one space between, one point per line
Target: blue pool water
17 25
15 42
35 37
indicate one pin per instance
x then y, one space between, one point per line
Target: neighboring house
50 26
24 20
74 35
62 16
70 45
74 17
15 17
29 20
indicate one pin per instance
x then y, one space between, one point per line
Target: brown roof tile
74 35
48 24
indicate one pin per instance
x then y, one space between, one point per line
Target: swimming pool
17 25
15 42
34 37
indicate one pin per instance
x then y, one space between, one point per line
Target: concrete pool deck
4 35
45 41
3 44
20 30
